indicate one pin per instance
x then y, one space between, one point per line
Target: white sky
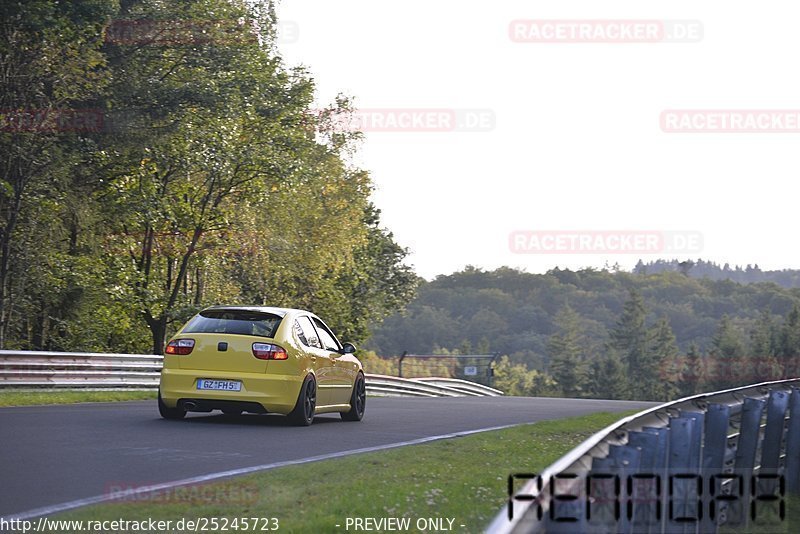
577 143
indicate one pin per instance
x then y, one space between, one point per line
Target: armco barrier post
695 468
682 478
629 461
746 447
715 448
644 488
661 470
768 490
792 471
602 503
773 433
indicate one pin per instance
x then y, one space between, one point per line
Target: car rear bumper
275 393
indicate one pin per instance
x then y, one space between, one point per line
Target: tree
377 282
607 378
629 338
726 356
692 375
567 359
761 364
789 345
50 65
663 355
516 379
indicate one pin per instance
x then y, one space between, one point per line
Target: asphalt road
56 454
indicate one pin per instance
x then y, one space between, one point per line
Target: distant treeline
749 274
603 333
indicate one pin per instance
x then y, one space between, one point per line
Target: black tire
303 413
169 413
358 401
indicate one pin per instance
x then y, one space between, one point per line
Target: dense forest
713 271
604 333
158 157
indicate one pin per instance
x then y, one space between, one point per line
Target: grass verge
15 397
462 479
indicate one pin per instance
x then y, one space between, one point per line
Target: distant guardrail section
89 370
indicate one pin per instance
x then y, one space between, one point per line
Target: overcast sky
512 144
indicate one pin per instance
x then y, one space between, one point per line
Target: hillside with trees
749 274
159 157
604 333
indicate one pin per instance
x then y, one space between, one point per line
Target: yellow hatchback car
260 360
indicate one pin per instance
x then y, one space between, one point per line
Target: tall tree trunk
158 329
5 258
198 293
40 329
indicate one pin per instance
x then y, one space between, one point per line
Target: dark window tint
326 337
308 332
241 322
300 334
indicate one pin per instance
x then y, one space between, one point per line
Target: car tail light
181 347
269 351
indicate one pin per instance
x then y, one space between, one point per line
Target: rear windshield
247 323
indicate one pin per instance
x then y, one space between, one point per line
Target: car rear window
246 323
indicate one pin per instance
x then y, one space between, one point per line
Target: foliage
212 179
727 356
607 378
517 379
643 336
662 352
749 274
20 397
376 365
567 354
692 372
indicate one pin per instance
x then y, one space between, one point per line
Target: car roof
281 312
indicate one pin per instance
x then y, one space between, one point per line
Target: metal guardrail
464 386
692 465
87 370
78 370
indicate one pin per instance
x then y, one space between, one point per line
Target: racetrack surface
55 454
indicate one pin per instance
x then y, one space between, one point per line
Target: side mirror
348 348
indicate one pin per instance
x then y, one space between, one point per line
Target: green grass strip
14 397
